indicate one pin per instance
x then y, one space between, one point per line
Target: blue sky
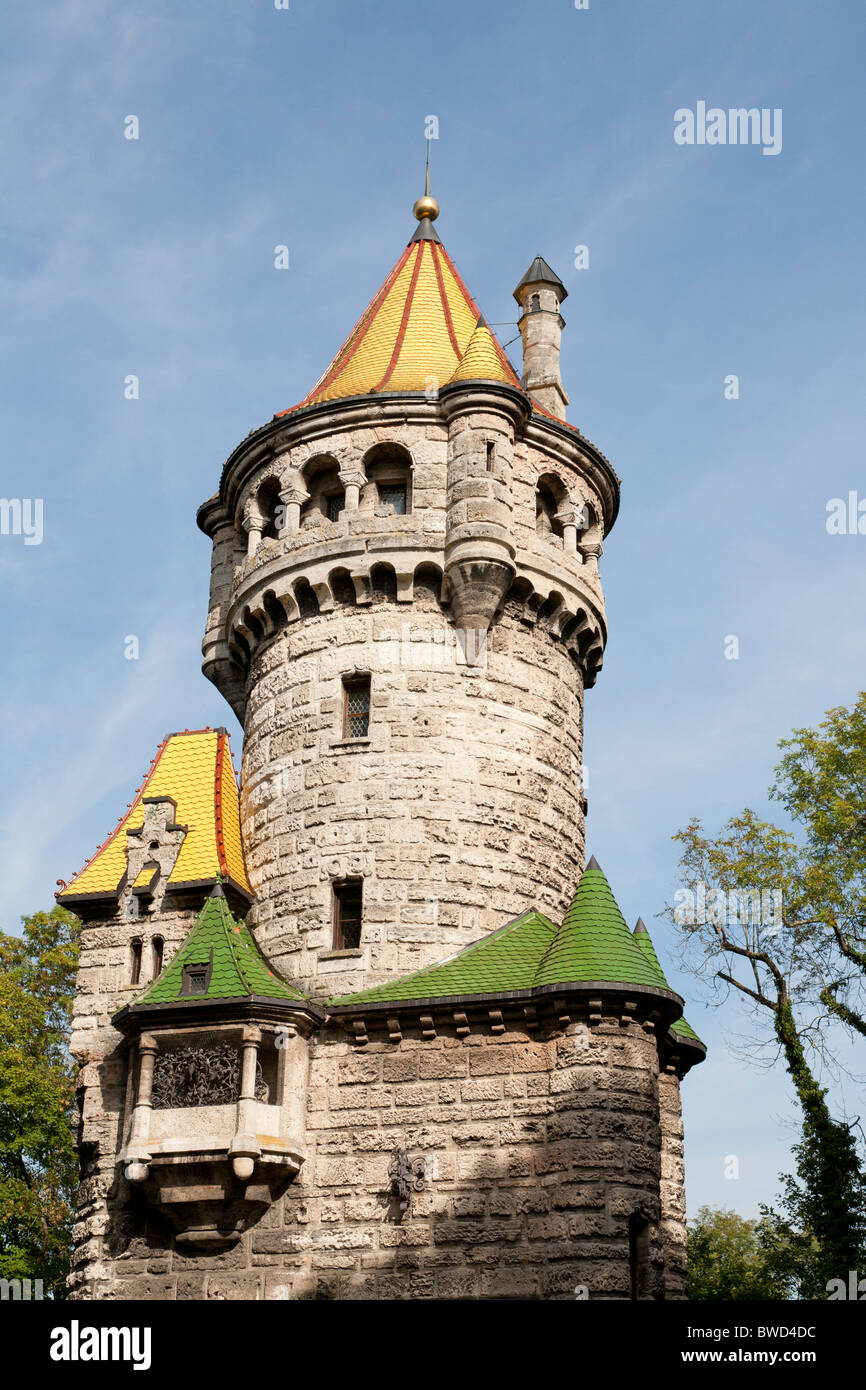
305 127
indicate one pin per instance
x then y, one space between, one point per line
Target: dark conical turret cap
640 928
594 864
541 273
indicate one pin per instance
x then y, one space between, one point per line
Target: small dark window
335 504
134 962
348 903
157 946
491 455
534 303
196 979
395 496
638 1257
356 707
154 844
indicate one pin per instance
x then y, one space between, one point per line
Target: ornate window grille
208 1075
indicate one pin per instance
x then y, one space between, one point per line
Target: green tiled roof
593 945
594 942
681 1028
684 1030
238 970
505 960
643 939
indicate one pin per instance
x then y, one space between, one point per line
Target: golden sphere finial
426 207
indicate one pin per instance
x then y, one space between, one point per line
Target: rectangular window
335 506
395 496
195 979
348 904
491 455
356 707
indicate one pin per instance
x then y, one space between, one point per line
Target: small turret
539 294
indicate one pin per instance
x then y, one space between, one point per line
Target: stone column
245 1148
591 555
253 528
293 495
137 1156
568 521
353 479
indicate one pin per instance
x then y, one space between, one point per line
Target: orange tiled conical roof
195 770
416 333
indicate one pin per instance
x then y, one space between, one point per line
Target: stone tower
418 527
285 1090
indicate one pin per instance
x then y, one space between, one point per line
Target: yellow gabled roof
414 334
195 770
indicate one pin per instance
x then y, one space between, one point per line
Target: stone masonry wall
537 1152
461 811
672 1191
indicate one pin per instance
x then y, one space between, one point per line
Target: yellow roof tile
195 770
414 334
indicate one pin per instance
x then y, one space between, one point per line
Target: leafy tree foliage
732 1258
38 1169
801 967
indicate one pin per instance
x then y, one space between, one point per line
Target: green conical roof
237 968
594 942
681 1028
505 960
592 946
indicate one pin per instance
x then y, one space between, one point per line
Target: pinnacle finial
594 864
639 928
426 206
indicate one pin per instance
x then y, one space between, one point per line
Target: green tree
786 928
731 1257
38 1169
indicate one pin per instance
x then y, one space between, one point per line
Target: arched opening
308 604
157 948
427 587
550 494
269 505
341 586
135 960
389 479
383 584
534 303
327 494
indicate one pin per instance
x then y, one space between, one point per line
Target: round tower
405 611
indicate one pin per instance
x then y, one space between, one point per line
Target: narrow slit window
491 455
348 906
134 962
157 948
356 708
394 495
